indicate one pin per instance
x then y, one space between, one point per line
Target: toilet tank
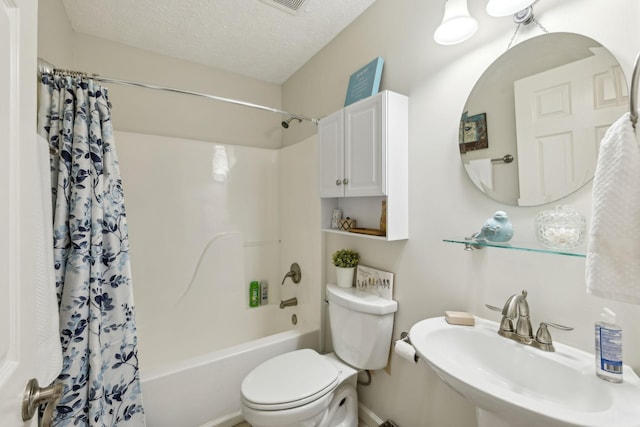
361 326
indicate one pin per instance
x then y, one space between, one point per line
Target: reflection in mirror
546 102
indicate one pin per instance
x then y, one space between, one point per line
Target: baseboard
368 417
365 414
226 421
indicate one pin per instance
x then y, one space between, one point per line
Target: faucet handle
493 307
543 337
294 272
506 325
557 326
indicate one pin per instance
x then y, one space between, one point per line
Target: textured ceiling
248 37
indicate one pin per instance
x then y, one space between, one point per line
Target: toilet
305 389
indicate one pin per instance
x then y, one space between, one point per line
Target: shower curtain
90 240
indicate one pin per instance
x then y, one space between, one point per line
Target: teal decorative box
364 82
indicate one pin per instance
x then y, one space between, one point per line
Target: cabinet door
331 155
364 155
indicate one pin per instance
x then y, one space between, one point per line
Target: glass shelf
520 246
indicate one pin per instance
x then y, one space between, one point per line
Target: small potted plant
345 261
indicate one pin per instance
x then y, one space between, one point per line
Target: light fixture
507 7
457 25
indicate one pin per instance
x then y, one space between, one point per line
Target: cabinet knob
345 181
338 182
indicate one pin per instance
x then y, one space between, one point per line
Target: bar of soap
459 318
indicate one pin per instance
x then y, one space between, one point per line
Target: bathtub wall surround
205 220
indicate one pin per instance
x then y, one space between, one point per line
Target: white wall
299 223
55 36
432 276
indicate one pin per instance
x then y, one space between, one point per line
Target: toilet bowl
301 388
305 389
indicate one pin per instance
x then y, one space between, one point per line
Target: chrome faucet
289 302
517 308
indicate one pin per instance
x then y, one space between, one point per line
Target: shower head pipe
46 67
285 123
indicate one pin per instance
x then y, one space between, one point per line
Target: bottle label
254 294
264 292
609 342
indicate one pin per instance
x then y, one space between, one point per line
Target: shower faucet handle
294 273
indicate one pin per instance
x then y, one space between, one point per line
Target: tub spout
289 302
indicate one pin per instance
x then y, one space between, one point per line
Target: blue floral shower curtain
93 280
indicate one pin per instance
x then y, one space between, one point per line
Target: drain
294 319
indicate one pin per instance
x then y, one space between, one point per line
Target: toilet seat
289 380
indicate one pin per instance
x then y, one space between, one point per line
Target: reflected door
561 116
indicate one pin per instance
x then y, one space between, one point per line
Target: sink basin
519 385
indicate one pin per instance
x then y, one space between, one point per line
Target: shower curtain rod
46 67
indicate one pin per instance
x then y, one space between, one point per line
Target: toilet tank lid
357 300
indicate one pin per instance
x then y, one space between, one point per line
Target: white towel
49 351
613 254
481 173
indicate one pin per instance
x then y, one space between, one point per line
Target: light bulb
457 25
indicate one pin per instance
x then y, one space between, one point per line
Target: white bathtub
205 391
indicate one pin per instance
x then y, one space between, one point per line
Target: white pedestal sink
514 385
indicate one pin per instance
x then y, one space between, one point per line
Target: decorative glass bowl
561 228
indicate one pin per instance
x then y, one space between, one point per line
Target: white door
18 66
561 115
364 155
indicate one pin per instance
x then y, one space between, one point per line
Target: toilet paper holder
404 336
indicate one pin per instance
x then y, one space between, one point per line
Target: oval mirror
531 127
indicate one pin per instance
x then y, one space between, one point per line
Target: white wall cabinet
363 155
351 150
